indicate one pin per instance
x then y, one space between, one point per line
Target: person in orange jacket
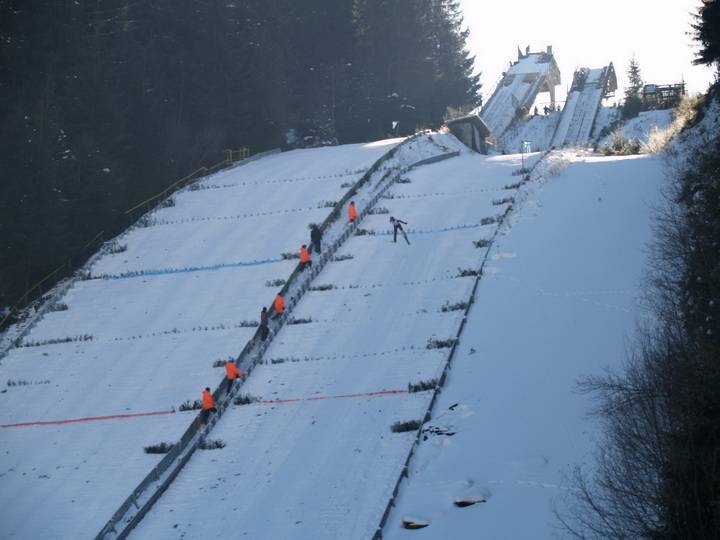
278 305
305 260
208 405
232 372
352 211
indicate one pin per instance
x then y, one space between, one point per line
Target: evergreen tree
707 33
413 64
633 101
103 103
635 81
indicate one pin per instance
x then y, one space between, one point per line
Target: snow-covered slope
316 457
557 302
537 130
313 455
605 118
641 127
148 327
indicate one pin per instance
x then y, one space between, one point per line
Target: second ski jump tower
589 88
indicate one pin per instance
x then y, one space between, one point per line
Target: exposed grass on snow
188 405
70 339
211 444
282 360
466 272
117 248
159 448
25 382
57 306
327 204
146 221
457 306
345 257
403 427
504 200
433 343
306 320
245 399
323 287
481 243
620 145
422 386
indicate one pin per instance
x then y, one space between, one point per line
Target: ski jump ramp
519 86
589 88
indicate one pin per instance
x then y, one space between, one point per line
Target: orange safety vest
352 212
279 304
232 371
304 255
207 401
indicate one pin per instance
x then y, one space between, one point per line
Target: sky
590 34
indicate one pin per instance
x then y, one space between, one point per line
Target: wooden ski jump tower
532 73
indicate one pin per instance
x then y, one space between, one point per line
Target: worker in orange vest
232 372
208 405
304 257
279 305
352 211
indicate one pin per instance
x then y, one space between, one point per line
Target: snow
641 127
606 116
536 129
568 113
314 455
154 338
532 63
578 116
326 467
594 76
558 302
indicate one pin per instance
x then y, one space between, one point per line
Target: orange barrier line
89 419
319 398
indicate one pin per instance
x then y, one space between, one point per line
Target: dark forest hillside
104 103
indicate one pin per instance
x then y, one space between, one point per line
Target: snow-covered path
325 468
147 342
558 301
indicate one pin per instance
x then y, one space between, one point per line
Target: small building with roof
471 131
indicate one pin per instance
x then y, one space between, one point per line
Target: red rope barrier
88 419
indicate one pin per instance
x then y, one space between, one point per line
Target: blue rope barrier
432 231
211 268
